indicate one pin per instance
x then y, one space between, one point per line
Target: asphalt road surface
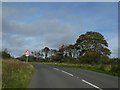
61 77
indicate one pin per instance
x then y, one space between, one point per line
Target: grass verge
16 74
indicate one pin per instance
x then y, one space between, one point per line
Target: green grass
107 69
16 74
0 74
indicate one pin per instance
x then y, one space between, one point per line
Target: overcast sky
33 26
60 0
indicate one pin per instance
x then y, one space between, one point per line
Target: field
16 74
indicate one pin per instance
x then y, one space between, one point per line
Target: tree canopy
92 41
46 50
5 54
90 47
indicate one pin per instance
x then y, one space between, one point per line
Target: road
61 77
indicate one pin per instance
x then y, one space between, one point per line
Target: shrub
57 58
90 58
104 60
5 54
115 69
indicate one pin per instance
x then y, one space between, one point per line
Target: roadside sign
27 53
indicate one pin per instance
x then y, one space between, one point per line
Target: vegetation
0 74
90 48
90 52
92 42
16 74
5 54
46 50
111 69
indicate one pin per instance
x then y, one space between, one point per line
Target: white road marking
77 77
91 84
67 73
55 68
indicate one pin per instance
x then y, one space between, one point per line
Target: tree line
90 51
5 54
90 47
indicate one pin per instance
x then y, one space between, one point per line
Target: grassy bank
0 73
102 68
16 74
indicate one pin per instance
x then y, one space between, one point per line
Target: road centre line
91 84
55 68
68 73
82 79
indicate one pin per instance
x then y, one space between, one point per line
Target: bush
115 69
30 58
69 60
104 60
57 58
90 58
5 54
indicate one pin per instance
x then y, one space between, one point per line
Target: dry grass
16 74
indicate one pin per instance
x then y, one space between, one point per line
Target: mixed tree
46 51
92 45
89 47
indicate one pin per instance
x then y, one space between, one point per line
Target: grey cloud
37 28
14 40
17 12
17 44
52 33
61 0
115 52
